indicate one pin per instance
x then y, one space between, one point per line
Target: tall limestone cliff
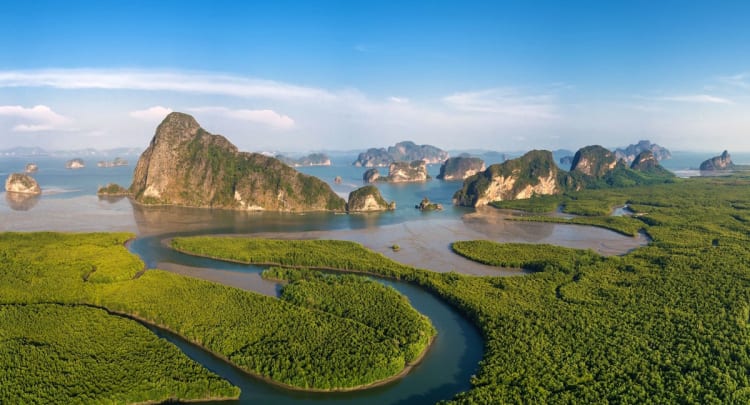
405 151
368 199
461 167
407 172
594 161
534 173
188 166
721 162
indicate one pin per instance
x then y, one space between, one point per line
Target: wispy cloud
741 80
505 101
185 82
398 100
35 119
266 117
151 114
696 98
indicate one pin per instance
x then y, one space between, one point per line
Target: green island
50 277
665 323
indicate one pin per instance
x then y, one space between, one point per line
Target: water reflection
21 201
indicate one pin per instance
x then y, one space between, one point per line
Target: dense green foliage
528 170
300 345
360 299
73 354
666 323
112 189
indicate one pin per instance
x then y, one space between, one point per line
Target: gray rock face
76 163
405 151
721 162
22 184
644 161
629 153
371 175
368 199
459 168
407 172
186 165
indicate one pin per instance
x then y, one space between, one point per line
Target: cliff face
313 159
368 199
593 161
371 175
22 184
403 172
534 173
75 164
459 168
402 151
186 165
721 162
629 153
644 161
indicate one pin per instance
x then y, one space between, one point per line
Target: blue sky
307 75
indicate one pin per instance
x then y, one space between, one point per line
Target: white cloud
155 113
266 117
504 101
184 82
697 98
34 119
398 100
741 80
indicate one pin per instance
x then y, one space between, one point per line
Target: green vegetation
62 354
303 346
542 203
666 323
362 300
112 189
628 226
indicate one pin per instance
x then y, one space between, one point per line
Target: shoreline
407 367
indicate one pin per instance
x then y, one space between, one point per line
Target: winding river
445 370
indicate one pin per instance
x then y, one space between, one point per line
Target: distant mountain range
80 153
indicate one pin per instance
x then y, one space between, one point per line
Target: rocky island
427 205
76 163
461 167
21 183
368 199
188 166
112 190
31 168
535 173
313 159
718 163
405 151
629 153
114 163
399 172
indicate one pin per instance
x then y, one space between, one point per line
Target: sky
299 76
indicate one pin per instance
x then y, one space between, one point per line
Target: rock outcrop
114 163
645 161
407 172
313 159
31 168
112 190
534 173
405 151
76 163
593 161
459 168
188 166
371 175
368 199
629 153
427 205
21 183
717 163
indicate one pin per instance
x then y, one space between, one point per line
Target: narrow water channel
445 371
